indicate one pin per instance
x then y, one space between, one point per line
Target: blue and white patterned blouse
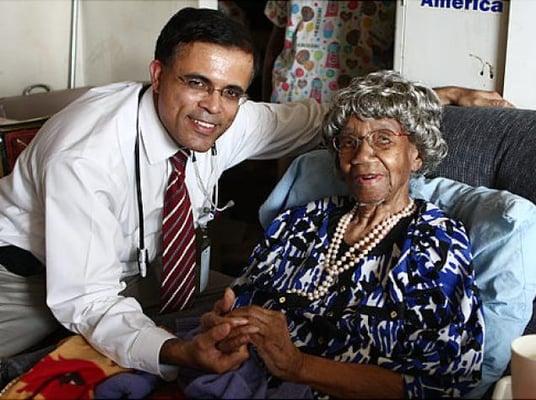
410 306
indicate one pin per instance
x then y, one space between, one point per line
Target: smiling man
198 91
105 202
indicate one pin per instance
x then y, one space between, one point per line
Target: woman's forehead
356 123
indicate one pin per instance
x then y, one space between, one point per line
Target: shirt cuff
145 353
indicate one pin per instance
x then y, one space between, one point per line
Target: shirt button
394 314
343 288
321 340
282 299
329 314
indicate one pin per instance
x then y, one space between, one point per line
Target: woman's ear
416 160
417 164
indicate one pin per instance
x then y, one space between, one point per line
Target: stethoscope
206 215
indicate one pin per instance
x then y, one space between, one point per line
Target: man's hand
273 342
240 330
201 352
220 308
470 97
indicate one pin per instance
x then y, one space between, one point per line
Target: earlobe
417 164
417 161
155 69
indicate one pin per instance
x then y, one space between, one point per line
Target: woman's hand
218 314
286 361
273 342
202 352
240 329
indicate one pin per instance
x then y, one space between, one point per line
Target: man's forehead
226 66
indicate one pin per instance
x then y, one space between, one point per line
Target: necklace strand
333 267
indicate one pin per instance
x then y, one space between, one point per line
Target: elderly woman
371 295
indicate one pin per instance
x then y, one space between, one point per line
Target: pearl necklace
333 267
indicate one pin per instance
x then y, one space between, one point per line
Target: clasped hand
267 330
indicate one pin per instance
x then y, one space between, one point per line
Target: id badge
203 258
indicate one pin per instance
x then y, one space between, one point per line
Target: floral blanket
74 370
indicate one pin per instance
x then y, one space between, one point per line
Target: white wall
520 71
441 45
115 43
34 46
117 38
438 45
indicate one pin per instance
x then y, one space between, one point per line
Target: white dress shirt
71 201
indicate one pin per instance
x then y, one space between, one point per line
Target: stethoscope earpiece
208 213
227 205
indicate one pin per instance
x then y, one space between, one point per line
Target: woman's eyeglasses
378 140
231 95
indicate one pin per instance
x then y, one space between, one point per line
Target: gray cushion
491 147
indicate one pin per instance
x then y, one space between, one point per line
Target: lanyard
142 252
208 214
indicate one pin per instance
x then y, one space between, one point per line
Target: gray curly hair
386 94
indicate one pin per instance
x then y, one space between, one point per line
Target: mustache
204 117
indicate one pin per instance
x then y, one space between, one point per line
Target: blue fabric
501 227
311 176
126 385
409 306
250 381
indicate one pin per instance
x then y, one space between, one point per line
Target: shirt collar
155 139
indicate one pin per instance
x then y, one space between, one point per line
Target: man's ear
155 68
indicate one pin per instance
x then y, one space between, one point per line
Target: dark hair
202 25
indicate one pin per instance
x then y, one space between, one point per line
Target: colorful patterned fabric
410 306
72 371
327 43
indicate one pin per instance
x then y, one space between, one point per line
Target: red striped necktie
178 241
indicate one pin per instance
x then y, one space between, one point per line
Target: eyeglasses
231 95
379 140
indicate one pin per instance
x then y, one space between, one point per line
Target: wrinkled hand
272 341
471 97
201 352
219 310
240 330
